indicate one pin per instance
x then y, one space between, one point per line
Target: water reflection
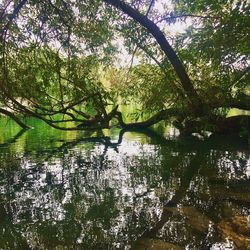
121 190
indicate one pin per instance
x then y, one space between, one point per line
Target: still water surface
121 190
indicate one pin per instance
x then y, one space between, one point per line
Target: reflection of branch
196 162
104 140
183 144
13 139
185 180
178 144
10 233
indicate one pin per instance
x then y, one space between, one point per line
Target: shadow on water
126 189
13 139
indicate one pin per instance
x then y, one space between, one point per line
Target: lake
117 189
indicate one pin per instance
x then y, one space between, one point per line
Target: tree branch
15 118
169 18
160 116
194 99
13 16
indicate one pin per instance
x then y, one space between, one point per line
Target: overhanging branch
154 30
15 118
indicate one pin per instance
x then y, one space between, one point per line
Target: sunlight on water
120 190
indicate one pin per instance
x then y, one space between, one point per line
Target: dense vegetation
60 63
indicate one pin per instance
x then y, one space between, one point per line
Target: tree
53 55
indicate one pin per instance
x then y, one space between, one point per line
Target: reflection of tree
201 155
13 139
192 168
101 198
80 191
10 235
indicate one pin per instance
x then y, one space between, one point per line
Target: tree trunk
154 30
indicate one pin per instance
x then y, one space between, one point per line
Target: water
117 189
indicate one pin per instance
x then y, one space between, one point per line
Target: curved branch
13 139
154 30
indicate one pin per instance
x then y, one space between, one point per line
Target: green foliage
216 47
150 85
57 52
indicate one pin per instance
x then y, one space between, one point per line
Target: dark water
121 190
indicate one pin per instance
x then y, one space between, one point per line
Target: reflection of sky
38 189
234 168
119 191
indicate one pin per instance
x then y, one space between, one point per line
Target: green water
116 189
